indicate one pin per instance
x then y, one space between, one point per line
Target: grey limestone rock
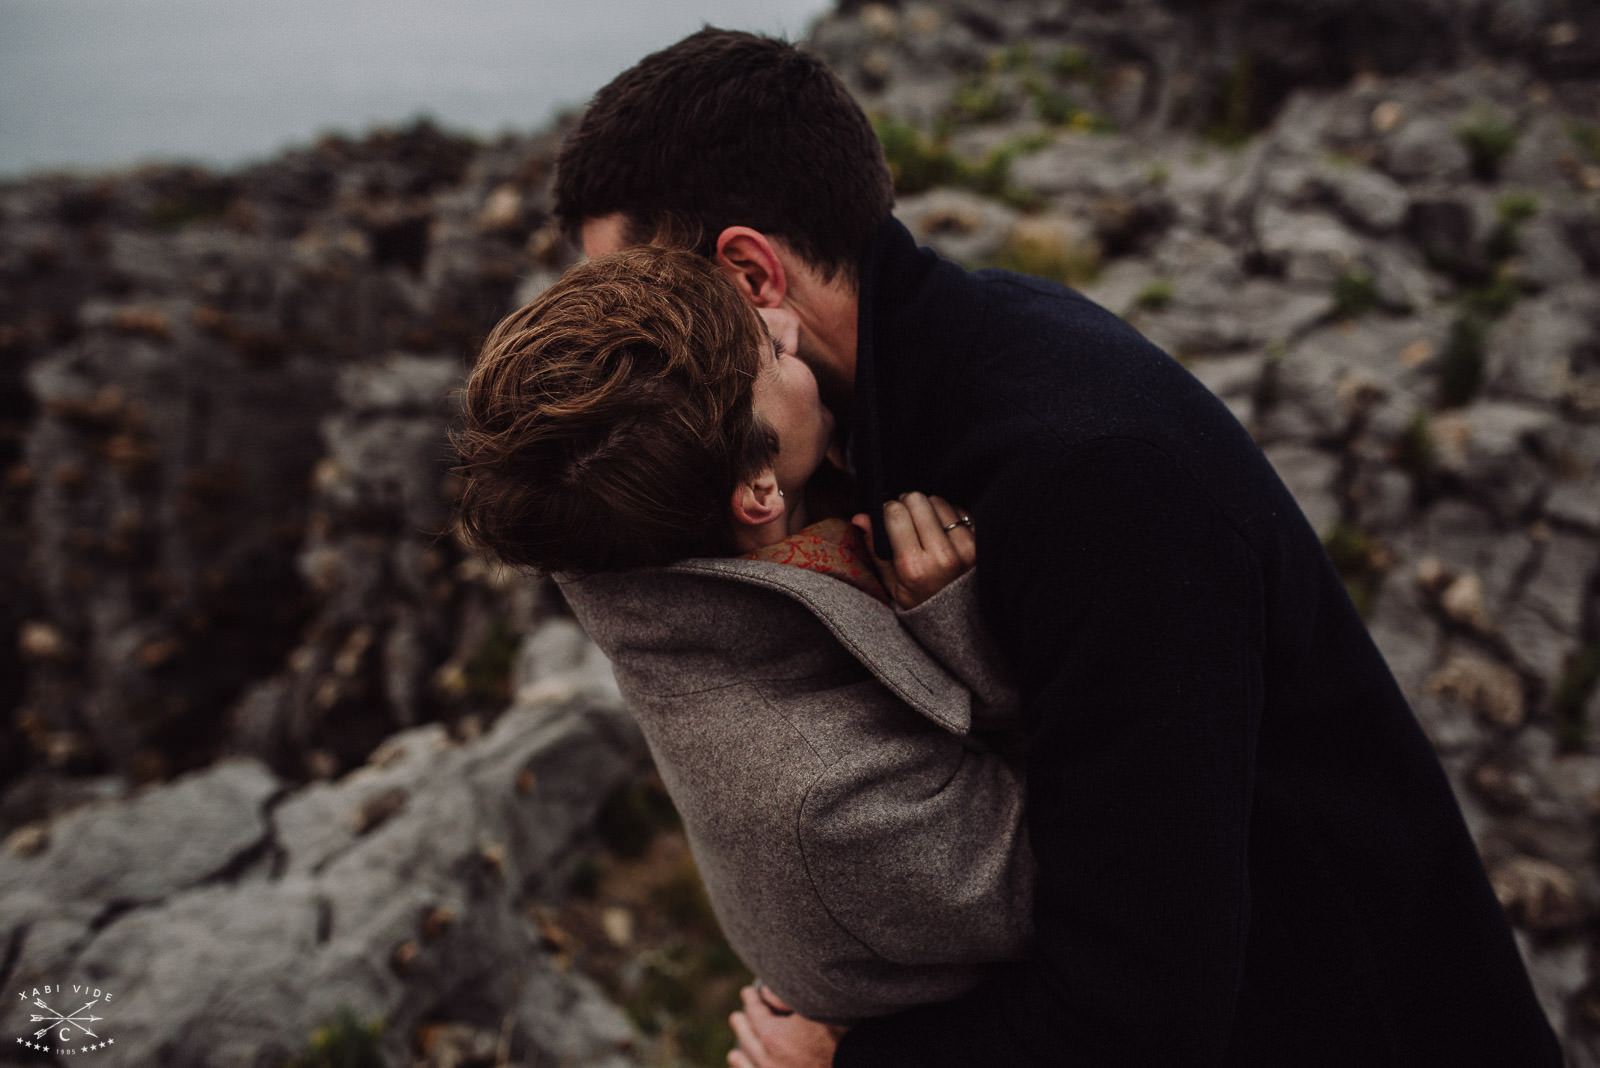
1557 971
1557 585
569 1020
1531 354
398 892
1367 198
1313 248
1400 281
558 662
1384 498
1084 165
216 976
1464 540
150 847
1404 629
1332 381
965 227
1502 445
1310 473
1427 148
1235 379
1543 149
1546 257
1573 502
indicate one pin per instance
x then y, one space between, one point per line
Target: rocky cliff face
230 914
226 459
1373 229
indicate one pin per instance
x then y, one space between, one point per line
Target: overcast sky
89 84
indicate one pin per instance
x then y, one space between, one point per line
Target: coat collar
905 299
865 627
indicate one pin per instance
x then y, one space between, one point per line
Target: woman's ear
759 511
749 258
758 501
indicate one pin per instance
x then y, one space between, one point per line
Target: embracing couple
1138 790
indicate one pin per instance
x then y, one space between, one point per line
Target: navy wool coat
1248 853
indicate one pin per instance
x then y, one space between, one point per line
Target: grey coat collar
868 629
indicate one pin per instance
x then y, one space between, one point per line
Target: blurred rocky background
282 760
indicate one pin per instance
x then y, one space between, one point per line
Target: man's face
785 397
606 233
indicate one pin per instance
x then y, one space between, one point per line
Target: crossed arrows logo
76 1019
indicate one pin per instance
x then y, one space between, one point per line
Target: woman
831 727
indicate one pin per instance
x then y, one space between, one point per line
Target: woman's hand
772 1035
932 542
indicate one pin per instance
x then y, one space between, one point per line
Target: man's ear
749 258
758 501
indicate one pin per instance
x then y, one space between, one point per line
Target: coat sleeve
951 628
1133 609
917 847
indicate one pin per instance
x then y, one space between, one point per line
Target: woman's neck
829 494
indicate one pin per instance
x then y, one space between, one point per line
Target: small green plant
1349 548
1461 365
1269 387
1230 125
1416 451
1050 255
488 674
1571 697
685 986
1357 559
1156 294
916 162
1014 57
982 101
1512 210
1055 106
1355 292
1073 64
1494 298
1489 299
1489 138
992 175
633 815
1586 136
198 203
585 880
345 1042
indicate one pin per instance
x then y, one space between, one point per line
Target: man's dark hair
606 424
724 129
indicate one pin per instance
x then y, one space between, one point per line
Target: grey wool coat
862 844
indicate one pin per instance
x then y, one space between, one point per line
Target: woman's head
607 424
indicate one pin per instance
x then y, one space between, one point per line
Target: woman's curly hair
606 423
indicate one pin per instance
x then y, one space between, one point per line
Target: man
1248 854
